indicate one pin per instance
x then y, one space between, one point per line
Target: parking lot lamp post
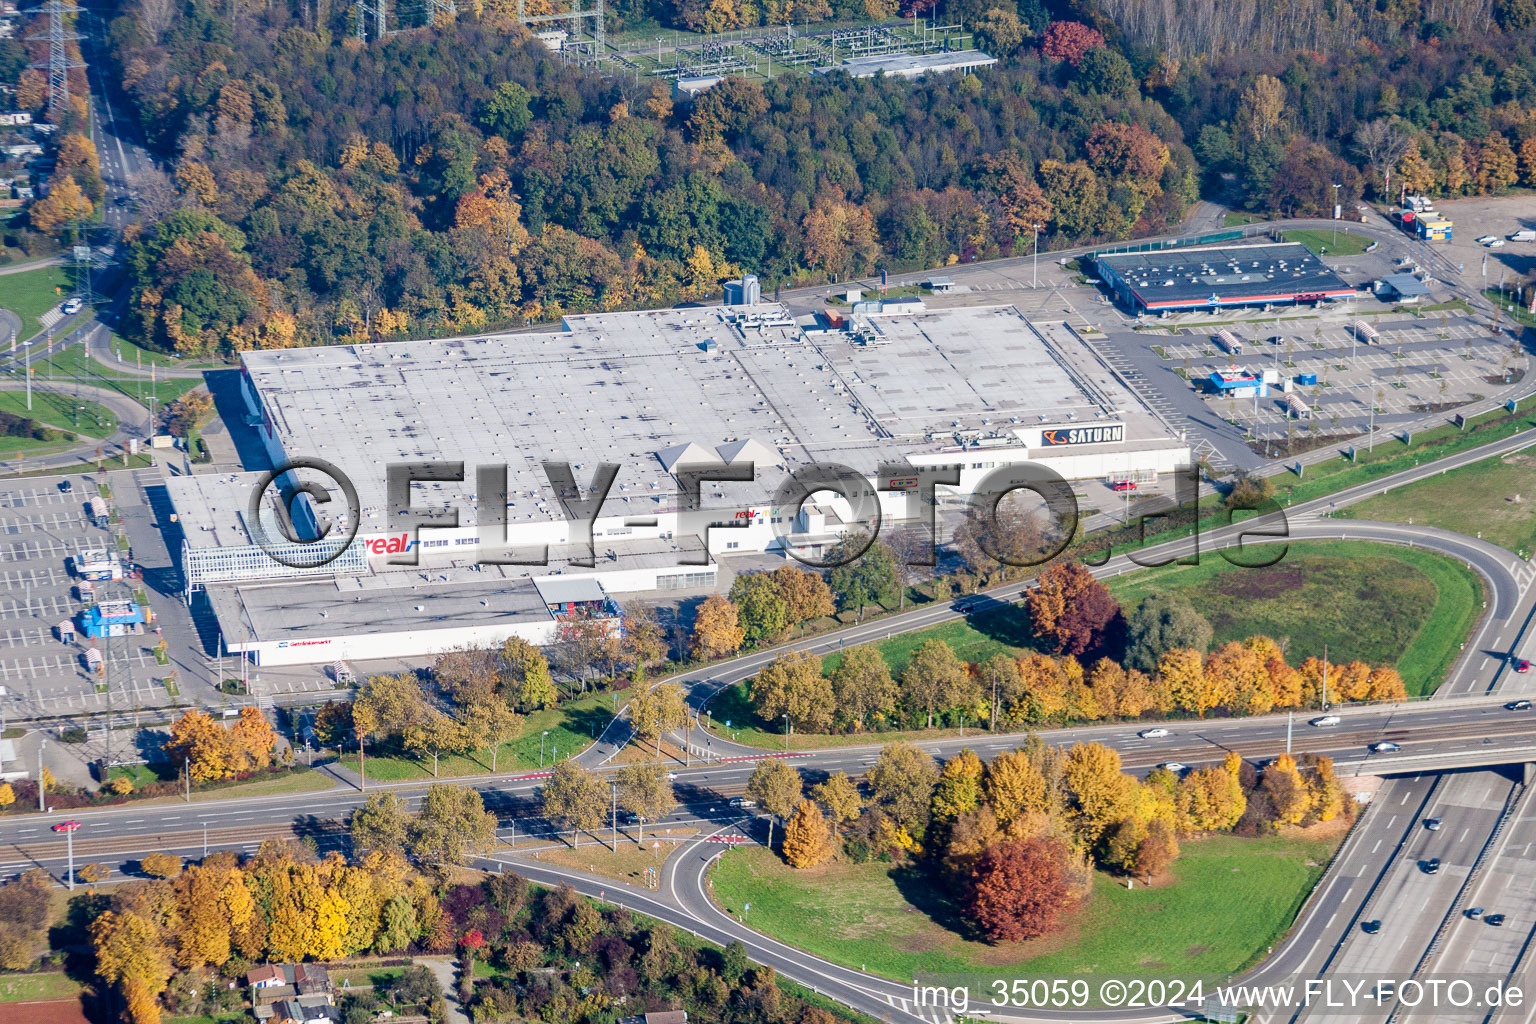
786 732
1336 212
542 738
42 791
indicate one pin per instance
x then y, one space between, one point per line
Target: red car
1520 665
66 826
1123 485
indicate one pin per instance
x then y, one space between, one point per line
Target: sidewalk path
447 976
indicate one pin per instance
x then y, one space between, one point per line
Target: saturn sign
1102 434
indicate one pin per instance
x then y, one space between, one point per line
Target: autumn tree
935 678
130 954
437 734
1287 791
840 795
1263 105
201 746
1182 673
776 787
382 823
1211 799
902 781
656 711
728 108
792 686
1018 890
574 799
489 722
389 705
807 838
644 640
1157 851
761 609
1096 794
646 792
717 629
1069 41
862 686
957 792
528 684
451 821
1070 610
1015 788
840 237
251 740
65 205
805 593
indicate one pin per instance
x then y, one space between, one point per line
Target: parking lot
1418 366
41 527
1438 360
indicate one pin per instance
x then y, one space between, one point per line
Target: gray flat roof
1269 271
563 591
383 603
1406 285
911 65
627 387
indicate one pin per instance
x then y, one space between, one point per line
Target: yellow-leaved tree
807 838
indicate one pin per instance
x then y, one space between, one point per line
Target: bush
75 734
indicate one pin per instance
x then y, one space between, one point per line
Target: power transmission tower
436 7
59 61
377 12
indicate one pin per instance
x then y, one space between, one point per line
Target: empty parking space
42 671
1323 378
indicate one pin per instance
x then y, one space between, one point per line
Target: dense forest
459 176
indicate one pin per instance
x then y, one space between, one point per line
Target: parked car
65 486
1326 720
1518 705
1433 824
1497 243
1153 734
1123 485
1485 239
1386 747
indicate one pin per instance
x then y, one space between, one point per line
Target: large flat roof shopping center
654 393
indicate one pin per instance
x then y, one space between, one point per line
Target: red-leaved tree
1071 611
1018 889
1069 41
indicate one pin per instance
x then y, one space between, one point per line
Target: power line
59 61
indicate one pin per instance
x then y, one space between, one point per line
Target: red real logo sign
397 545
749 514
